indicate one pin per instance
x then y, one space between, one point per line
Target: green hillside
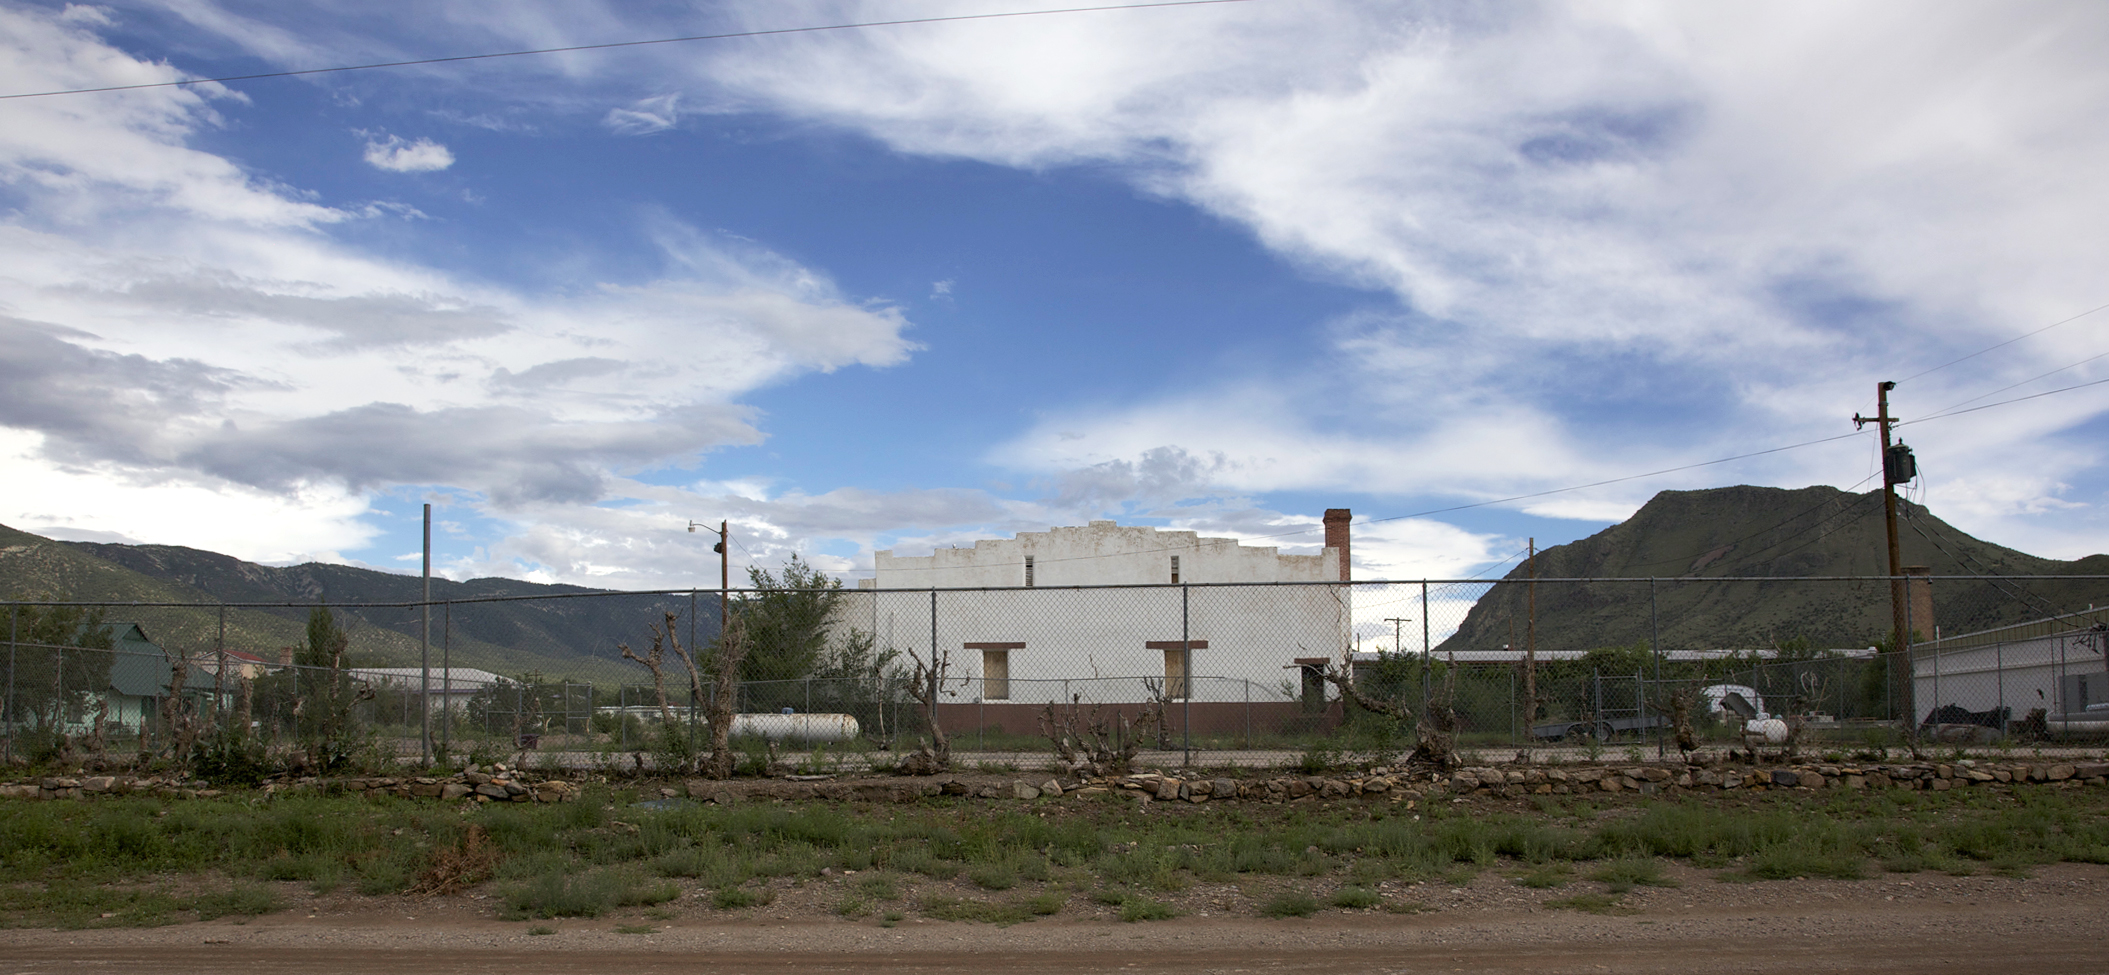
1771 532
572 637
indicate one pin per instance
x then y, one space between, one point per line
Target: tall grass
591 856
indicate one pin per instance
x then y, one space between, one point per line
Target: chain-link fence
1223 669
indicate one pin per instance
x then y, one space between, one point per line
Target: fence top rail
1326 583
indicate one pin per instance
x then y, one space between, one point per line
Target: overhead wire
2022 383
2004 402
728 35
2002 345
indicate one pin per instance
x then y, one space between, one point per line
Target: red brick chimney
1336 520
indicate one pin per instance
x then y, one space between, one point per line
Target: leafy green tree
55 683
787 621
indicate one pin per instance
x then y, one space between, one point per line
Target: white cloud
1584 210
185 339
398 156
646 116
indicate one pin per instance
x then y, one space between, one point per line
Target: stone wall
496 784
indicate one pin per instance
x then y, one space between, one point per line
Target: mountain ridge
1746 530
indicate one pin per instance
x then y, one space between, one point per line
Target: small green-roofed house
139 682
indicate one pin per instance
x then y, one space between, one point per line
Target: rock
952 787
1379 784
477 778
988 792
1020 790
1224 788
1093 790
1168 789
1976 775
1198 787
2059 773
1943 785
493 791
1051 787
1464 781
1609 783
1654 774
99 783
1812 780
1785 778
1856 782
1334 789
425 790
2091 770
1299 788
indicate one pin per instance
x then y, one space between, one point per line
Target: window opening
1028 571
1175 570
995 675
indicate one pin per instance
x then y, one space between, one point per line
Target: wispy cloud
645 116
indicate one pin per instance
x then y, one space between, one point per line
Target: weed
1405 907
735 898
853 906
247 900
993 876
1547 877
1356 898
635 929
1047 903
880 886
1293 903
1144 909
542 929
1620 876
890 918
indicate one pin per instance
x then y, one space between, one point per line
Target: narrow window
1028 571
1175 660
995 675
1175 570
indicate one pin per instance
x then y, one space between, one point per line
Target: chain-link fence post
1662 744
14 614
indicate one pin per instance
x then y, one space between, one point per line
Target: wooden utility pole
1899 629
724 566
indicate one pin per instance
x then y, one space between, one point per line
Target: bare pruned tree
725 670
1097 743
1436 731
654 660
926 685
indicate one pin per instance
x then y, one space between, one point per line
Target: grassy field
140 861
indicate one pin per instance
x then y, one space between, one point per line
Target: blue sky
1216 268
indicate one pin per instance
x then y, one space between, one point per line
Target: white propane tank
796 727
1773 730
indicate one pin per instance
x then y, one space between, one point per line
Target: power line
2022 383
619 44
2004 402
2004 344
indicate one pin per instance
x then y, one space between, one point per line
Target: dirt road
1916 923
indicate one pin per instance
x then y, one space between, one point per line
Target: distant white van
1718 707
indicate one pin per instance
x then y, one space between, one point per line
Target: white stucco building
1028 619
